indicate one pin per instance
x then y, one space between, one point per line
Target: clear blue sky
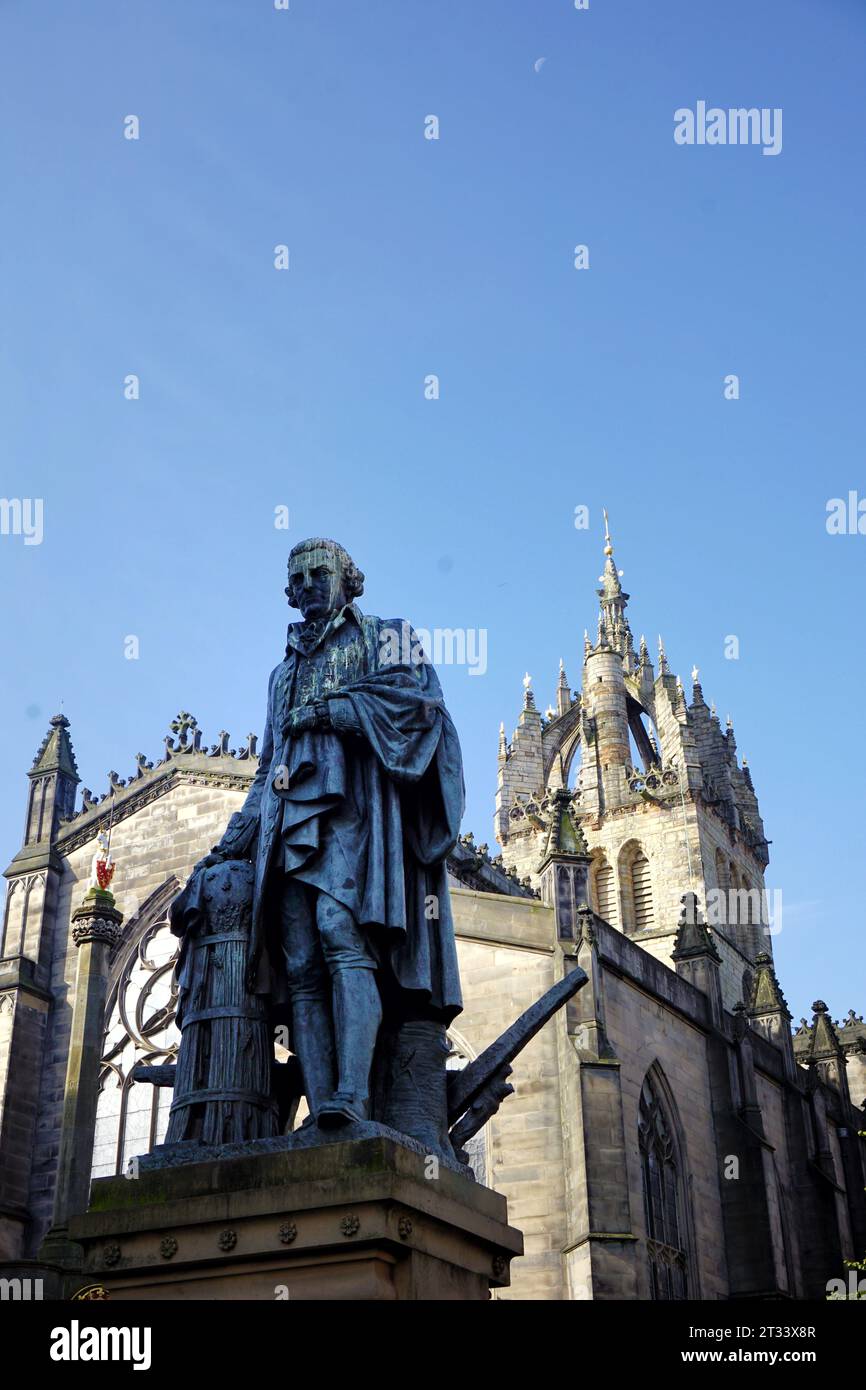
558 387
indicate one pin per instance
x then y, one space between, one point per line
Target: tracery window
132 1116
663 1200
140 1027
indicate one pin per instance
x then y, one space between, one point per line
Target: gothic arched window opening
641 892
663 1200
604 891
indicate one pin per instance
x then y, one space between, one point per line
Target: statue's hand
236 842
314 716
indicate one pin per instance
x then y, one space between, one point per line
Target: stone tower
662 800
26 945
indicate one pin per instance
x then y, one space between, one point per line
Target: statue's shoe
341 1109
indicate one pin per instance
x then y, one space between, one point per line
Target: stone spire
564 865
768 1010
614 630
528 697
693 936
563 690
55 751
695 956
53 780
826 1050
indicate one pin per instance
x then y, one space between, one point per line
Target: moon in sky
539 64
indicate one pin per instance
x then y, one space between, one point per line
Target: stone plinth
357 1220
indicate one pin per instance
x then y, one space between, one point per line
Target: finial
527 681
729 724
695 675
608 546
713 710
528 697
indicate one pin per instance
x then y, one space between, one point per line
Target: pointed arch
635 877
602 888
665 1181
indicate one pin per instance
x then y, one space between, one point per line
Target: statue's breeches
319 937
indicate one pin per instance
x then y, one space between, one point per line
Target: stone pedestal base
367 1219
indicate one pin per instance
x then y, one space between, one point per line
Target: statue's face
316 584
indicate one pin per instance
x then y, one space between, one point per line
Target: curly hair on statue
353 578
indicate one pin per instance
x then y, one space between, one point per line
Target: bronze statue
327 899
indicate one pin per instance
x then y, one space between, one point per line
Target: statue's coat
368 815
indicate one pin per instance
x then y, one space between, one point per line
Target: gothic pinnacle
664 669
563 693
528 697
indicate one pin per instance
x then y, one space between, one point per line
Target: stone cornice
200 769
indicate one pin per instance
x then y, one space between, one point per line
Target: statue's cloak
367 814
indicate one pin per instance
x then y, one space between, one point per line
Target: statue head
323 577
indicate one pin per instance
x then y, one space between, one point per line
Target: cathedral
671 1136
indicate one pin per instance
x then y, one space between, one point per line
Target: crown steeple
613 628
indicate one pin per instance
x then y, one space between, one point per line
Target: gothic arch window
665 1202
635 877
139 1028
603 890
642 897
